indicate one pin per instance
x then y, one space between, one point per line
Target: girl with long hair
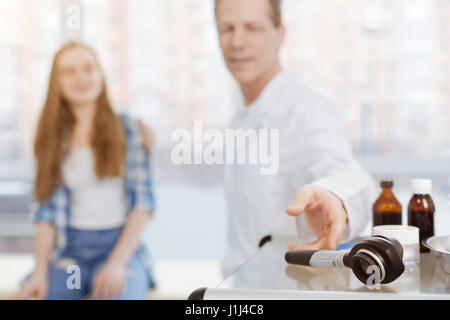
92 188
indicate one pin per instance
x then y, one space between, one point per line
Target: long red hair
55 126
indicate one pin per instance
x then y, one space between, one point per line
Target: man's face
249 40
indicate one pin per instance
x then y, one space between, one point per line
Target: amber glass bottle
387 209
421 210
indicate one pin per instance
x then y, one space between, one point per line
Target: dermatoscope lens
361 266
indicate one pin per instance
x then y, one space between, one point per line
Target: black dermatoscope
378 251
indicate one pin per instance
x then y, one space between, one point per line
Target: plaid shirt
138 193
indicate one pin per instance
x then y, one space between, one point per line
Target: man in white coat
331 192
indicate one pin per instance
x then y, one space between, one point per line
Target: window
387 61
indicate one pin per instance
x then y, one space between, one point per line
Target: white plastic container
408 236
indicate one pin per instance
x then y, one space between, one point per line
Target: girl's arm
129 239
110 279
139 173
37 285
43 246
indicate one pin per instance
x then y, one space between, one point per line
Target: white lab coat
314 149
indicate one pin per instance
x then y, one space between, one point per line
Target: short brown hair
275 5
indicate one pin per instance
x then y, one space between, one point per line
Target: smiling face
79 76
249 39
76 84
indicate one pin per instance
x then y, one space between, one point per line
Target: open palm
325 215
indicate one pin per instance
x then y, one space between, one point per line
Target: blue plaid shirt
138 193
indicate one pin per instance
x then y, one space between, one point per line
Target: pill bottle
421 210
387 210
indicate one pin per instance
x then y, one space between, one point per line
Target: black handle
198 294
300 257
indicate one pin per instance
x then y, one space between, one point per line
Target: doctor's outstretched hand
325 215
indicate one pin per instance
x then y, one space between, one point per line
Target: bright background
385 63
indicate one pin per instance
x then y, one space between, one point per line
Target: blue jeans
88 250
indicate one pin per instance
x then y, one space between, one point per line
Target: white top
95 205
314 149
421 186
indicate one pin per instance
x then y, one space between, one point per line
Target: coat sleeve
328 162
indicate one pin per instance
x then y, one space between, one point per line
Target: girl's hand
36 287
109 281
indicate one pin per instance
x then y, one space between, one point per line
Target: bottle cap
404 234
421 186
387 184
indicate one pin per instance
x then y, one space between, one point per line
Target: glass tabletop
267 270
